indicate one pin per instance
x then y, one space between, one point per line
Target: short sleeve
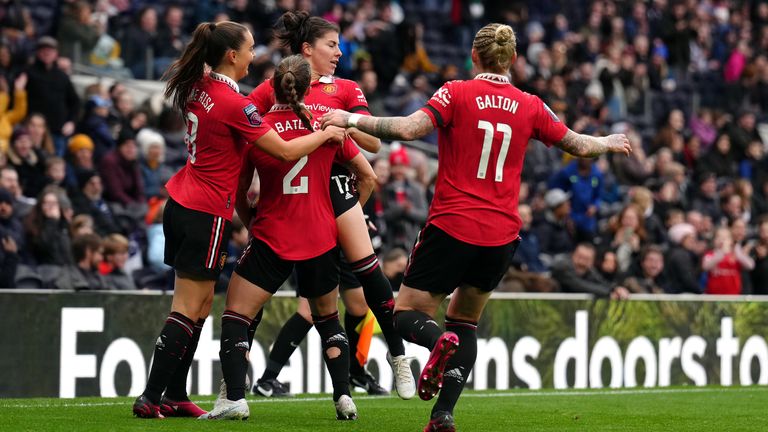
356 101
439 108
246 120
547 127
263 96
346 151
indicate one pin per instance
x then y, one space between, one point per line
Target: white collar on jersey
226 80
326 79
501 79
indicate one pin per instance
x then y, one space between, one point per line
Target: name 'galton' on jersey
484 127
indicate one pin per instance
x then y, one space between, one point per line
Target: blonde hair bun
504 35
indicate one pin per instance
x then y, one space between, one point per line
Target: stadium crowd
82 174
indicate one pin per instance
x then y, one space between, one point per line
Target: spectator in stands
627 236
153 169
526 272
10 224
16 23
760 255
682 257
41 137
81 224
56 172
47 231
651 219
753 161
78 33
724 264
636 168
121 173
576 274
369 84
123 109
113 267
139 38
84 274
95 125
583 181
10 117
393 264
9 64
648 277
719 159
403 201
172 38
607 265
51 93
742 132
555 228
89 200
705 199
9 180
28 162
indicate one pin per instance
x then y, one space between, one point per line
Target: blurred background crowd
82 166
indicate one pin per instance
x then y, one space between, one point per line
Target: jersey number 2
303 186
485 154
191 136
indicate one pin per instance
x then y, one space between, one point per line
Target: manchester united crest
329 89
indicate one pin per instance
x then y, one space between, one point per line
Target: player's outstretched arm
408 128
587 146
299 147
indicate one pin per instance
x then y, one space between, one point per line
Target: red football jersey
294 215
220 122
484 126
325 94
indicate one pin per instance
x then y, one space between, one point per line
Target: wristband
352 120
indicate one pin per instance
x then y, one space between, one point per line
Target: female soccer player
197 218
318 41
484 126
294 227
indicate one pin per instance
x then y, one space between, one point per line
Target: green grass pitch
672 409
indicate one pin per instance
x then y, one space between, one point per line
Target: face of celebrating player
243 57
324 55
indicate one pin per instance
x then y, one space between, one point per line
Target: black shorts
344 196
195 242
261 266
347 279
439 263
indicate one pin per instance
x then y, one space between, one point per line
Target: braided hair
496 46
291 82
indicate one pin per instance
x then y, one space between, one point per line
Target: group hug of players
303 220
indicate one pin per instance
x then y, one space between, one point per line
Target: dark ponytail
210 41
291 82
295 28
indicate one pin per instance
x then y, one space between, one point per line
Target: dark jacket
591 282
51 93
122 179
685 277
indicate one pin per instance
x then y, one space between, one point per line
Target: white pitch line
534 393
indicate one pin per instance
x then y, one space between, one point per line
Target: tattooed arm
408 128
587 146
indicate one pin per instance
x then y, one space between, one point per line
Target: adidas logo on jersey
348 196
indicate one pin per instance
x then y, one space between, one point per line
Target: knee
332 352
